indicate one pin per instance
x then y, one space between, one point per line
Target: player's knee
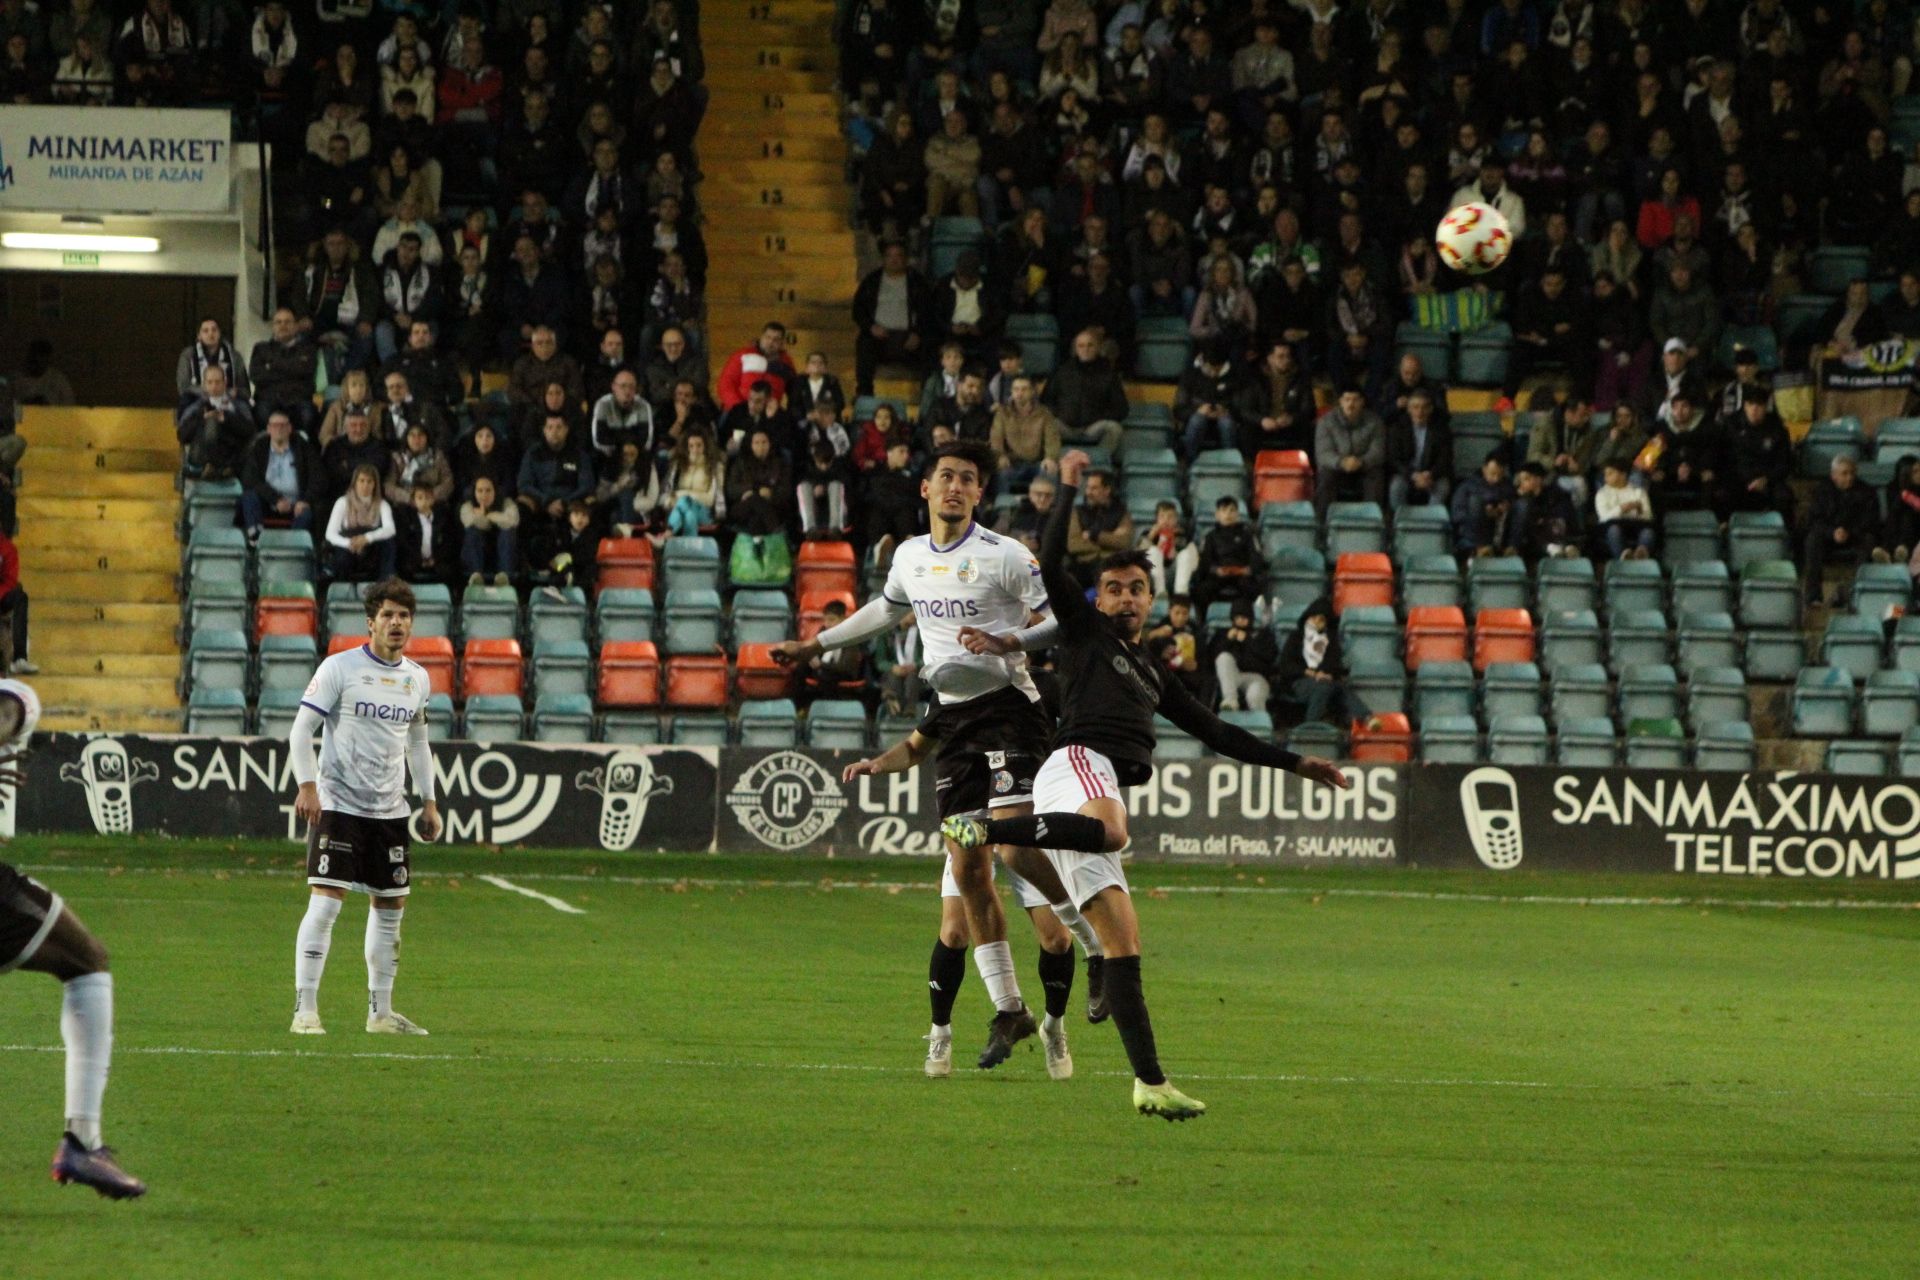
956 938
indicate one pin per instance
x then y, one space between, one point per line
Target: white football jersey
984 580
29 714
369 706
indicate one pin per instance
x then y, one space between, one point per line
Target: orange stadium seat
813 605
1502 635
1282 475
825 566
757 676
629 674
435 653
285 616
1362 577
697 680
1382 739
624 562
342 643
1435 633
492 666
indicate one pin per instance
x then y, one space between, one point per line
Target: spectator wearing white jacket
361 532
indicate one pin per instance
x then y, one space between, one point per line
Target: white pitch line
897 886
558 904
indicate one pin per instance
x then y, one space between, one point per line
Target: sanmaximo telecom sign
115 160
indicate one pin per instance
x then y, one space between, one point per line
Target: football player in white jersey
992 729
39 932
373 702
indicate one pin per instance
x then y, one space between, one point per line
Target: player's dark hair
1128 560
976 452
392 589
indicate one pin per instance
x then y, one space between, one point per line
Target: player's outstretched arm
898 758
1065 596
1230 740
1043 634
876 617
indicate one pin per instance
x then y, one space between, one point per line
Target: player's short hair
390 589
1132 559
976 452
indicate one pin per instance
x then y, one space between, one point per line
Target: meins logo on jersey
947 607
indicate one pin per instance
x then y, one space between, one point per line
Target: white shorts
1071 777
1029 896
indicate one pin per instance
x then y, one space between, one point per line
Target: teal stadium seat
1517 739
1586 743
493 717
1355 526
693 620
1703 587
218 660
562 668
692 561
1650 692
1717 695
625 613
1580 691
563 717
1890 704
286 662
1726 745
1443 690
1635 584
1822 704
564 618
1449 740
490 613
1420 531
1497 582
284 555
1564 585
1510 689
761 617
1707 638
771 723
699 729
837 725
221 711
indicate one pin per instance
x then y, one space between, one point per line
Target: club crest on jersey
968 571
1119 664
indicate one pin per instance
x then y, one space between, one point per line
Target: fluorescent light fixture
69 242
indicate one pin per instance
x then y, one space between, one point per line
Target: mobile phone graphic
108 774
1490 802
625 783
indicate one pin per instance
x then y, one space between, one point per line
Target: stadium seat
1656 744
1753 536
563 717
690 561
1431 580
1039 337
1435 635
286 662
1897 438
1880 588
1716 695
813 606
1362 577
825 566
1890 704
630 728
1421 531
284 555
1148 425
561 667
629 674
274 713
1442 689
1482 358
489 613
1649 692
1825 441
1688 537
1822 703
1580 691
1756 338
1858 758
1297 575
221 711
490 667
1770 595
1355 526
1909 753
1852 644
1449 740
1569 639
219 606
1369 633
1155 470
1475 435
1704 587
1586 742
1797 317
837 724
1510 689
692 616
1906 643
1517 739
1773 654
1288 524
218 660
346 609
1384 737
211 503
1497 582
757 675
562 618
624 613
761 617
1725 745
1834 267
1380 686
1316 739
432 609
285 609
1501 635
1433 346
1257 723
1561 586
1707 638
623 564
1634 584
695 680
435 655
1282 475
216 554
1283 615
1637 637
1175 743
494 717
773 723
1215 474
1162 357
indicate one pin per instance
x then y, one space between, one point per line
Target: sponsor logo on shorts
1002 781
399 875
397 853
996 759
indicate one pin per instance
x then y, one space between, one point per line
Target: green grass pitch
1410 1074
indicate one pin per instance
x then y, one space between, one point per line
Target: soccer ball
1473 238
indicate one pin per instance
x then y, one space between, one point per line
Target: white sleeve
337 523
386 529
1043 634
306 723
893 588
420 757
322 693
1020 572
876 617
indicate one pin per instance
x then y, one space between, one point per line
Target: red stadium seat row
1282 475
1438 633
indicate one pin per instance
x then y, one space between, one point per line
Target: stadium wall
783 800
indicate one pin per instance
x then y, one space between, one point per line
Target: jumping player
1110 689
39 932
989 713
373 702
948 967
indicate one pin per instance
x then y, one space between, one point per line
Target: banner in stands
115 160
1882 366
1712 824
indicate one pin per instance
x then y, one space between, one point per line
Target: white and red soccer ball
1473 238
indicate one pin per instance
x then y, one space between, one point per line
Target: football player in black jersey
1110 689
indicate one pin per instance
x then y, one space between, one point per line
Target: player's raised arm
1230 740
898 758
1067 598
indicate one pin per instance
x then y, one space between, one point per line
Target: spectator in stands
1900 533
210 346
1100 526
472 295
1231 564
1246 661
1419 454
608 359
490 537
621 416
1350 453
1025 436
84 76
1902 308
574 558
1686 476
1279 405
1166 544
1162 270
1026 522
1679 376
280 478
429 373
1409 376
1483 510
214 427
540 365
417 460
816 386
1314 670
1760 458
1660 211
763 358
407 217
1549 326
953 169
1853 321
1359 326
696 483
1686 310
1624 514
965 310
428 546
1013 160
1545 524
1843 524
893 190
1012 364
553 473
1098 301
1029 262
1178 646
1209 400
529 419
890 308
1224 309
400 412
360 531
825 476
873 438
1563 442
338 304
1622 442
1492 188
943 384
1291 309
471 106
13 613
533 296
354 447
675 361
759 487
842 673
1746 385
1086 394
760 411
628 491
409 290
356 393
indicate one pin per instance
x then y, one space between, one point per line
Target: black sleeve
1066 597
1230 740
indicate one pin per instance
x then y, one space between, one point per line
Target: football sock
995 962
1069 915
945 972
383 959
1129 1007
1050 831
310 950
1056 980
86 1024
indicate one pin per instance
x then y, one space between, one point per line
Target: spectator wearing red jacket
13 613
764 357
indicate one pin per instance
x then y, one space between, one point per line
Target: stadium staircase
775 189
99 560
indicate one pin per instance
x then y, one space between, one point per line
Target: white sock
383 959
310 951
941 1033
995 962
86 1024
1069 915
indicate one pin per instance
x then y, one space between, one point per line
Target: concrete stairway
99 557
775 194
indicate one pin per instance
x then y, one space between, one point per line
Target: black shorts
28 911
990 749
347 851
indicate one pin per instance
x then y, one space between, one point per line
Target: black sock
945 972
1129 1007
1050 831
1056 979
